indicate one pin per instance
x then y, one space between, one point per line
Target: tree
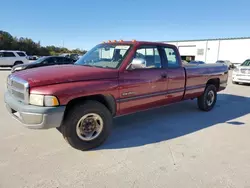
8 42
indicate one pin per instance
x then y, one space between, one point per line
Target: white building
235 50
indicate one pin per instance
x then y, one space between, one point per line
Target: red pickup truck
112 79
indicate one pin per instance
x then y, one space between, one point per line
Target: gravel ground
176 146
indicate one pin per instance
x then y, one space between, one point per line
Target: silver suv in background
9 58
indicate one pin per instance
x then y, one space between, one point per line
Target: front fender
66 92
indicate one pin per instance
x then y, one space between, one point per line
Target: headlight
43 100
236 70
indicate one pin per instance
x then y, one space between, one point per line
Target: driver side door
143 88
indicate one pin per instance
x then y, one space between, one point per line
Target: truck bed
198 75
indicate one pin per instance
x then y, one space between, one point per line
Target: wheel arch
18 62
215 82
107 100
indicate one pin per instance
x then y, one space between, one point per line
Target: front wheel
87 125
208 99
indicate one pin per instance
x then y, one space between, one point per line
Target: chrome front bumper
34 117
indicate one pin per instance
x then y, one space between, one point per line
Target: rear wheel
208 99
87 125
18 63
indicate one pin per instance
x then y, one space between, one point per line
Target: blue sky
83 23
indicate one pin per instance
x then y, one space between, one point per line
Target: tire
203 101
235 82
69 126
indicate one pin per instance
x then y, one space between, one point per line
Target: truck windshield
104 56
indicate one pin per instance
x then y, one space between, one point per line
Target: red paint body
149 89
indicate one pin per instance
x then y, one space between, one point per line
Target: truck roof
136 42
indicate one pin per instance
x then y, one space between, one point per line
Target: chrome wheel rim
210 98
89 127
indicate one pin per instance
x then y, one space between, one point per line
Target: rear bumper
34 117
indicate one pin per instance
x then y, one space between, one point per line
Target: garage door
187 50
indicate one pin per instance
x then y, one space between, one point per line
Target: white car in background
9 58
241 74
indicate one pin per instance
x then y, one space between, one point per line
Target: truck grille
245 71
18 88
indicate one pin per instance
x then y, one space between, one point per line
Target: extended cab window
172 58
151 57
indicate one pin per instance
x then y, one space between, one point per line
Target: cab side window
150 55
172 57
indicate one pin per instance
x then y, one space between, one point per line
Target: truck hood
244 67
64 73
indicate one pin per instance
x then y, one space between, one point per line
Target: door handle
164 75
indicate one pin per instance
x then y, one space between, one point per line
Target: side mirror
137 63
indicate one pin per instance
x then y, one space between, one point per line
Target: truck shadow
173 121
